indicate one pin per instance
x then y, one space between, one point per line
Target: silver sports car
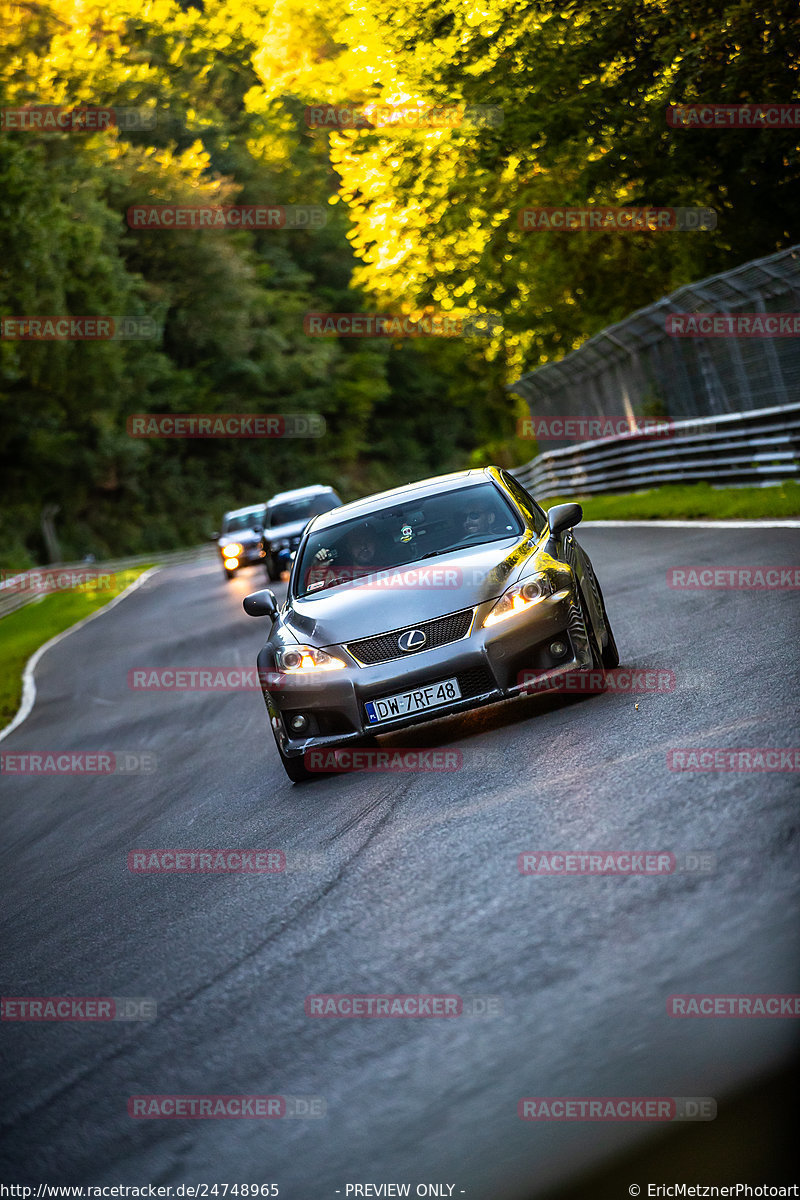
422 602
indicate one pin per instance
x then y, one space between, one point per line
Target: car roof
244 512
298 494
428 487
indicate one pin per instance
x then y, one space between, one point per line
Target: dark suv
287 515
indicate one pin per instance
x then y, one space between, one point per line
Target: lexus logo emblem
412 639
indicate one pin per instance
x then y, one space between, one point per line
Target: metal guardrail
14 596
755 448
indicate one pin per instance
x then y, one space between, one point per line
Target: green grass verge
24 631
687 501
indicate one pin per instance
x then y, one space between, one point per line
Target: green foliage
229 305
416 219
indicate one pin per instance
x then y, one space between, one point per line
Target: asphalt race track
398 883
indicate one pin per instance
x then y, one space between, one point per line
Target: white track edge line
28 682
767 523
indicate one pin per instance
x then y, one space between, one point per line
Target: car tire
229 574
273 573
610 653
295 767
597 658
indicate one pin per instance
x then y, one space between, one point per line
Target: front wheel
273 570
597 657
294 766
610 653
229 574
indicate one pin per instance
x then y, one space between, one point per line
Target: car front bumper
490 664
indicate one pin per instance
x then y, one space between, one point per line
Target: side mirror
261 604
214 537
258 529
564 516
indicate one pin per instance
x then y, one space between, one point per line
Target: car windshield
243 521
301 510
414 529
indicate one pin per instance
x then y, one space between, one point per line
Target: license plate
431 696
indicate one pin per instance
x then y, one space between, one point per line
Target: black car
240 541
424 601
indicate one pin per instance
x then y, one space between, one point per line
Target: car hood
418 592
294 528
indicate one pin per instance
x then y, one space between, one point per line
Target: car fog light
231 564
558 649
298 723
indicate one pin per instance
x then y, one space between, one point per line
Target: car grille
438 632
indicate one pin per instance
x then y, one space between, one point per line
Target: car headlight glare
520 597
297 659
232 550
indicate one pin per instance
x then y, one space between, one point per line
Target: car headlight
296 659
520 597
232 550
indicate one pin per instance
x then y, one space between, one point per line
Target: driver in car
355 556
363 546
478 519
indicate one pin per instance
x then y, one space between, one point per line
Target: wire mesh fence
642 368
